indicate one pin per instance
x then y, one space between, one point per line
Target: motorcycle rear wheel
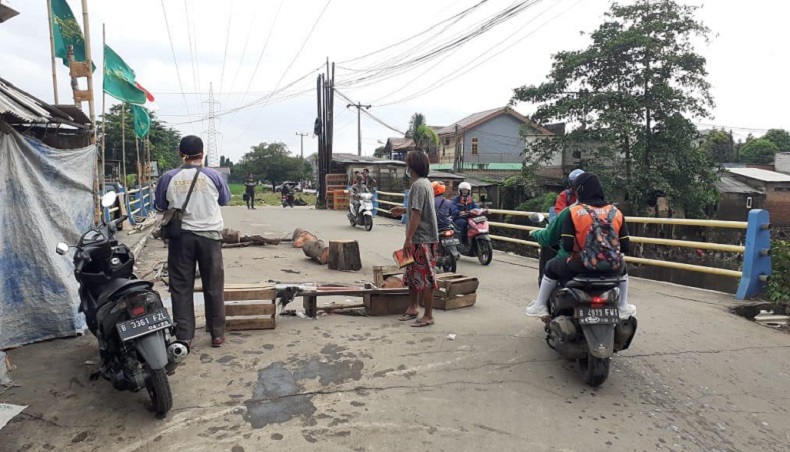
368 223
484 252
158 388
594 370
449 264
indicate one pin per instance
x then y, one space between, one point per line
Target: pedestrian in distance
200 192
422 238
250 191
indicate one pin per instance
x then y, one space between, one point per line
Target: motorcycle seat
120 284
594 281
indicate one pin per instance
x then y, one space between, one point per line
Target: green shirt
552 234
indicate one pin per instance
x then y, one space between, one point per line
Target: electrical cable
225 59
173 50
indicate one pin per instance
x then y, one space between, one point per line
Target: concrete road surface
695 378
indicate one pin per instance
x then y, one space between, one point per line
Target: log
301 237
344 255
317 251
393 282
235 238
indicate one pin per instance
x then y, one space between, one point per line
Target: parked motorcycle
585 324
288 200
448 255
125 314
477 242
362 212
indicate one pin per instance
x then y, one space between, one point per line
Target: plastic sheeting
46 197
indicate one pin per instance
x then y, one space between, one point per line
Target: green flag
66 32
142 121
119 79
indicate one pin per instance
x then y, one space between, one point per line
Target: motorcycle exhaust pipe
177 352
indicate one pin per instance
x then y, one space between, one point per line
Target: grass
263 198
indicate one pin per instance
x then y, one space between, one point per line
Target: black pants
250 200
182 255
560 269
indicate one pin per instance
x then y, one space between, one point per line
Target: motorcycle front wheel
484 252
594 370
368 222
158 388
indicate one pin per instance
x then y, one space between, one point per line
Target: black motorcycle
288 200
448 255
125 314
585 324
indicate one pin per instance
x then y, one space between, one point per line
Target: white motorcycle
362 212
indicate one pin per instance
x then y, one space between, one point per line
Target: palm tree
422 135
417 120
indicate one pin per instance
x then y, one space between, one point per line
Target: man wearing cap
200 242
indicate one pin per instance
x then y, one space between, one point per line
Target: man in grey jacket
200 242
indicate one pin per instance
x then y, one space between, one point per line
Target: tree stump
301 237
317 251
344 255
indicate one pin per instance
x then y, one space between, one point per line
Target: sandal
421 323
407 316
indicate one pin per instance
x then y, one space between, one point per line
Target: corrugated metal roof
760 174
20 105
471 119
729 185
352 158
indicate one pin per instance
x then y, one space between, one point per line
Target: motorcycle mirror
62 248
537 217
109 199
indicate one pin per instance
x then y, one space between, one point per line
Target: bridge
696 377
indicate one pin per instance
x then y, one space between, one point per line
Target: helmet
438 188
574 174
464 186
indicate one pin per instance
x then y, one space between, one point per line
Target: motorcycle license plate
140 326
451 242
597 316
479 219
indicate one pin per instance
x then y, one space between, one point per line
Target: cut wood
251 322
344 255
232 239
249 307
317 251
300 237
393 282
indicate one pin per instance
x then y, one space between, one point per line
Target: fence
755 271
137 203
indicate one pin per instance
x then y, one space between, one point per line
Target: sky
246 49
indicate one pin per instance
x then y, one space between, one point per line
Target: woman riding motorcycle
463 204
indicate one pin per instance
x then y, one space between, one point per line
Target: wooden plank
380 273
236 295
199 287
246 307
463 287
249 323
459 301
309 303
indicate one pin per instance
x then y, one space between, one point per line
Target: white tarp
45 198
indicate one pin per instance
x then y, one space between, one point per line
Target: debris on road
8 412
451 336
235 239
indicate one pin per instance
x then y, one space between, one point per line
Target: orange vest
582 222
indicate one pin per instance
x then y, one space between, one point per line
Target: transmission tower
211 133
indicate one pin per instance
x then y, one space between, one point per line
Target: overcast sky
747 60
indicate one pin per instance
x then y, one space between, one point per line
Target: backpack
601 250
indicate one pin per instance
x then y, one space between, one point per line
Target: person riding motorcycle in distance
568 196
463 204
358 188
445 210
575 224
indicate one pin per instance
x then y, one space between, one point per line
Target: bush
540 204
779 284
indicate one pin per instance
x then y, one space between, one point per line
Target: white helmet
465 186
574 174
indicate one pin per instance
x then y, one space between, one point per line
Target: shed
736 198
776 187
390 174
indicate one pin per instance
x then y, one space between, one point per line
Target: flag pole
52 50
103 120
89 62
137 151
123 142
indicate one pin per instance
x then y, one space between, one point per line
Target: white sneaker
627 311
533 310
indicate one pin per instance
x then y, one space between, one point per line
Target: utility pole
359 108
301 136
211 133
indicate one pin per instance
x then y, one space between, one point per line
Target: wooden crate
249 307
455 291
382 272
341 199
387 304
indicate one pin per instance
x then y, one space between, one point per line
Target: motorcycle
362 213
288 200
448 255
125 314
477 242
585 324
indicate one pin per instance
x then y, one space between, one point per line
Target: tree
225 162
380 152
718 144
163 141
779 137
424 137
417 120
759 152
629 96
272 162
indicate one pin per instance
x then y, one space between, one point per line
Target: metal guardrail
143 203
756 268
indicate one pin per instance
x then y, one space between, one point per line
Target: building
782 162
489 140
397 147
776 187
390 174
736 199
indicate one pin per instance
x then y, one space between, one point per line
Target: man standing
422 238
250 191
199 243
370 181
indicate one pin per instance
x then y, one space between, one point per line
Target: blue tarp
46 197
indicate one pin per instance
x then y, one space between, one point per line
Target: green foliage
779 137
417 120
719 146
380 152
760 151
779 284
273 163
540 204
424 137
263 197
163 141
225 162
630 95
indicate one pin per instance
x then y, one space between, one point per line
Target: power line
191 53
227 41
244 51
265 44
173 50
